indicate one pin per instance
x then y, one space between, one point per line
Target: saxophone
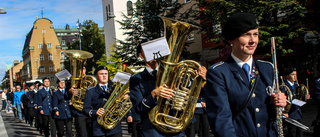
78 80
174 115
117 106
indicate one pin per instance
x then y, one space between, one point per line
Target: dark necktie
154 73
246 69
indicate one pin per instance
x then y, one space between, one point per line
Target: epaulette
217 64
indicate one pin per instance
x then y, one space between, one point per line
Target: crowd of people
232 102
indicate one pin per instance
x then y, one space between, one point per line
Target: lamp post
2 11
79 27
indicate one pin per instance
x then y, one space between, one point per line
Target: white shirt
240 62
150 70
103 85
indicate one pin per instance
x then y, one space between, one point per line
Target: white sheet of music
198 105
121 76
159 45
298 102
63 75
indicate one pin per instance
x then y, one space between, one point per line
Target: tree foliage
91 41
116 60
281 19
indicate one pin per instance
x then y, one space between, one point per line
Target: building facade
41 53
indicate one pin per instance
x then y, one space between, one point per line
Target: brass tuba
174 115
302 91
117 106
78 80
285 89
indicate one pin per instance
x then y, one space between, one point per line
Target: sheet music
198 105
63 75
298 102
159 45
121 76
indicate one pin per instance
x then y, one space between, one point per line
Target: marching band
231 99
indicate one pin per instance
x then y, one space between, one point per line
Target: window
49 45
43 31
217 29
42 69
50 56
129 8
51 68
63 42
40 45
41 57
191 36
62 66
51 78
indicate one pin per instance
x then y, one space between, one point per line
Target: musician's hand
100 111
279 100
285 114
162 91
203 104
126 96
57 113
41 112
35 107
129 119
202 72
307 96
73 91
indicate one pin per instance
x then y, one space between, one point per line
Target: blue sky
21 15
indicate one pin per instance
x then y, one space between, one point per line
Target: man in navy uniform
95 99
290 80
143 95
44 103
228 85
62 113
30 106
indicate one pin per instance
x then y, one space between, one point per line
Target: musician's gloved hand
73 91
100 111
162 91
279 100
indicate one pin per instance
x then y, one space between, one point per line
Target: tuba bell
285 89
117 106
174 115
78 80
302 91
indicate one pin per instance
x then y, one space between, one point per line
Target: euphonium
285 89
78 80
174 115
117 106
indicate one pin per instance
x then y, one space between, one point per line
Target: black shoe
40 132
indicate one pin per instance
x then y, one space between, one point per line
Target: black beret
100 68
238 24
288 71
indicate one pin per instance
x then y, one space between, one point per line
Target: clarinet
276 88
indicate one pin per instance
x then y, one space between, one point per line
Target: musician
290 80
316 122
44 100
134 123
95 99
228 85
38 120
30 107
200 113
62 113
143 95
82 122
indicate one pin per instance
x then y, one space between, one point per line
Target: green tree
116 60
281 19
91 41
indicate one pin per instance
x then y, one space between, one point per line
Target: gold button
258 125
257 109
253 95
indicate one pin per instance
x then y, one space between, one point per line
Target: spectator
24 104
4 99
17 101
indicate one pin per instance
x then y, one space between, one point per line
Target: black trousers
31 115
190 131
83 126
114 135
135 129
293 131
202 125
60 127
46 119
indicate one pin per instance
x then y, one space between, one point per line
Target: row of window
72 33
42 68
41 57
40 45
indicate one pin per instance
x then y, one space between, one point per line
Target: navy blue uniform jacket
295 111
226 90
44 101
141 85
60 103
94 99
